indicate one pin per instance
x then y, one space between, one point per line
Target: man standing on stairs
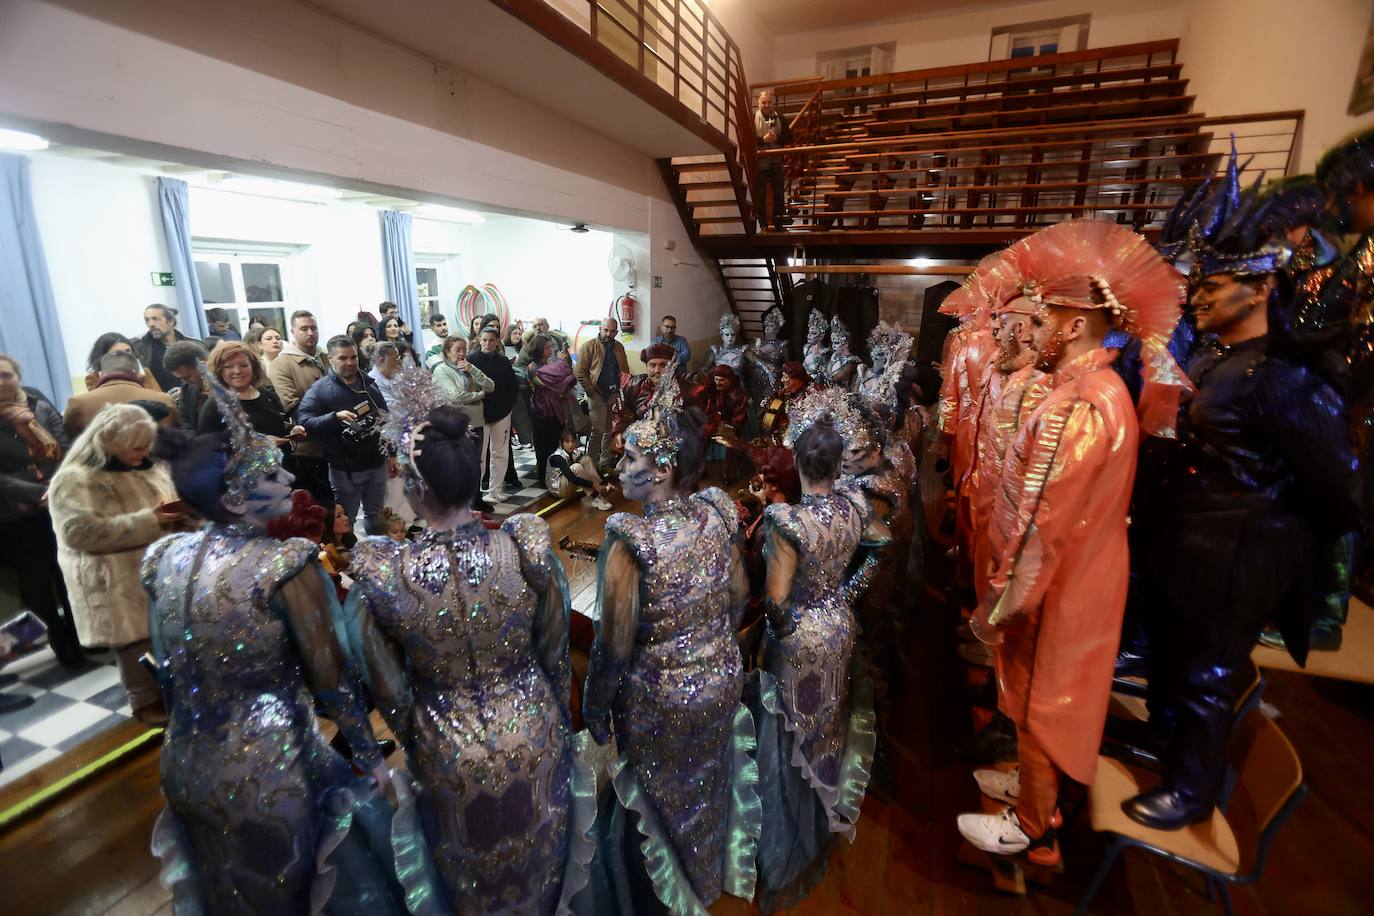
771 131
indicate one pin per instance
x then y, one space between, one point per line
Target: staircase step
698 167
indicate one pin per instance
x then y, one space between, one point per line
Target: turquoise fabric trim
336 819
177 874
415 868
581 820
671 885
744 824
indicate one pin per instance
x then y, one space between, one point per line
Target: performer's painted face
841 343
637 473
1221 301
814 335
1048 339
859 459
727 338
655 368
271 498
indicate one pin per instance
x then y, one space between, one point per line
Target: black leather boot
1166 809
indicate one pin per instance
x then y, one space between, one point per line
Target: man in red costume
726 405
633 402
1053 605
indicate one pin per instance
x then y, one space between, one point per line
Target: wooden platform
88 854
1353 661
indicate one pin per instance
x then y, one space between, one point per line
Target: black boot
9 702
996 743
1166 809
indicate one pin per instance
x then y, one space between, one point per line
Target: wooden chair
1263 788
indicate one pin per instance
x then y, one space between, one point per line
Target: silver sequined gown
768 360
682 733
256 799
815 746
814 361
734 357
478 621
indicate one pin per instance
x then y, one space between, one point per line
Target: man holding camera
342 412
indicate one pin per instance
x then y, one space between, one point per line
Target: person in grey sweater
461 383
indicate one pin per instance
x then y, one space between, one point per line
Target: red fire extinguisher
623 311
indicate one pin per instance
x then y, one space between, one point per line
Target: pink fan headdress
982 291
1094 264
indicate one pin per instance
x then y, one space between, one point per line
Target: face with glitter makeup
270 499
859 459
727 338
640 478
1048 340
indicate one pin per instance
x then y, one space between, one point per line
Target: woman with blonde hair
109 501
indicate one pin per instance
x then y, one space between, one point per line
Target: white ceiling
782 17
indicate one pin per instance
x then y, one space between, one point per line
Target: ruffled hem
744 825
178 871
415 868
843 802
581 821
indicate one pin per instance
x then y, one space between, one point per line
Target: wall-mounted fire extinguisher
623 311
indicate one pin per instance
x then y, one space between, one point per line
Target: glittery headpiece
1093 264
729 321
838 329
657 435
816 324
412 398
827 402
883 341
885 392
995 281
1230 234
1349 162
773 319
251 454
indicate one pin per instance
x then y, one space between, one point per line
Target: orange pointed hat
1094 264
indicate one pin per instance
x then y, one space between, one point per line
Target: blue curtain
30 332
399 260
176 225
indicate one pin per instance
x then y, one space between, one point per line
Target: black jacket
150 353
23 480
498 403
316 413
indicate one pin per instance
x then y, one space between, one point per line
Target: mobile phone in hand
176 505
26 628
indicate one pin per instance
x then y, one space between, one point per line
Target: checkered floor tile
517 500
70 706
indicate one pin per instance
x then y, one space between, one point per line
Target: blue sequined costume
815 723
464 637
666 666
262 816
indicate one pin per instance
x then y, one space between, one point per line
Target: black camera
363 430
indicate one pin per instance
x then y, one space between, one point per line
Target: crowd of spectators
81 497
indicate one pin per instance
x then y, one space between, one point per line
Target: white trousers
496 449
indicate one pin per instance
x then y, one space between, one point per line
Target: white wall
940 40
102 237
754 40
1265 55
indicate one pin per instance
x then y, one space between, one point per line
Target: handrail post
640 33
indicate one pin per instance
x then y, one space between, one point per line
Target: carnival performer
1262 475
813 709
842 367
773 419
726 406
463 635
767 355
680 818
1054 605
867 463
730 351
634 398
816 354
882 348
262 816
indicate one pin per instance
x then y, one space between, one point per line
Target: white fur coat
104 522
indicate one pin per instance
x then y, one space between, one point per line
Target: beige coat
291 374
104 522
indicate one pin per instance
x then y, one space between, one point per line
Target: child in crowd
394 526
571 469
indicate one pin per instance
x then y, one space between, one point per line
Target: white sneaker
495 496
999 834
1004 787
596 502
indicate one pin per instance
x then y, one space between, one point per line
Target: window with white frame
1030 39
436 282
247 282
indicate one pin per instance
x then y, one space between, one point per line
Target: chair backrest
1250 697
1268 783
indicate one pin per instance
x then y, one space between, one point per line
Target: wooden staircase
752 286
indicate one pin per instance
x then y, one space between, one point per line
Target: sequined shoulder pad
153 557
723 506
298 552
784 518
375 560
534 542
633 530
882 486
854 495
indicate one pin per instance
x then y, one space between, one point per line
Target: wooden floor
88 852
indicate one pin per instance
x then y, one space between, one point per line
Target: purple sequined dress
464 636
684 781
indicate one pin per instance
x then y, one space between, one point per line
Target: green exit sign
163 279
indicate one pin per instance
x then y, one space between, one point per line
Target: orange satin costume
1059 591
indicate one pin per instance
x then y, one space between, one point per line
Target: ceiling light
448 214
21 140
920 263
269 187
